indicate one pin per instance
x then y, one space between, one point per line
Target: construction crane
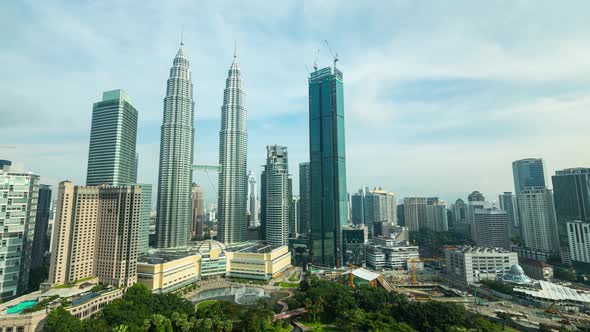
350 275
207 168
414 260
555 311
334 54
315 60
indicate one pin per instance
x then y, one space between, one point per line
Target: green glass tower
329 210
113 134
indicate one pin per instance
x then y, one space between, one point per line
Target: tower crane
315 60
334 54
414 260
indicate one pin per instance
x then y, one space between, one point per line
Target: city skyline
544 115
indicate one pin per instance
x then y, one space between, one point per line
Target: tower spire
182 37
235 49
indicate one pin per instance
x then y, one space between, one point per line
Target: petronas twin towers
176 158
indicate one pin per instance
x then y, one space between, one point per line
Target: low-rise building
530 253
544 293
469 265
257 261
537 269
28 313
354 239
387 254
167 270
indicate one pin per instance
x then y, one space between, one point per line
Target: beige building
163 273
118 231
257 261
167 271
74 233
95 234
83 304
537 269
198 211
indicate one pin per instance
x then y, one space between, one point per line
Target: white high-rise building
18 209
537 219
252 200
176 158
470 265
233 177
578 235
276 199
415 213
436 217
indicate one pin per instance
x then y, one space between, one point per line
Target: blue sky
440 97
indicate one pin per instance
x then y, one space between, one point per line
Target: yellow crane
414 260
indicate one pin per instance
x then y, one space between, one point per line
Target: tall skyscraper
119 215
572 203
233 177
329 208
252 199
198 211
357 201
176 158
380 212
415 213
40 241
276 201
528 173
475 201
436 216
18 210
460 211
295 218
96 232
113 135
508 203
491 228
143 238
537 219
304 198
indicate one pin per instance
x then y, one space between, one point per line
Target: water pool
17 309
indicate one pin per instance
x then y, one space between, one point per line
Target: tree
61 320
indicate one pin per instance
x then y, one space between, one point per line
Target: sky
440 97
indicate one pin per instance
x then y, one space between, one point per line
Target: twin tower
176 159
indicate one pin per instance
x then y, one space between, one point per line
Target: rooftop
480 250
363 274
254 247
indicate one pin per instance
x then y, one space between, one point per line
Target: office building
18 211
415 213
578 241
536 269
96 233
537 219
40 240
508 203
401 218
252 200
475 201
357 211
233 177
143 238
572 202
354 239
294 220
304 198
528 173
113 135
198 211
459 212
329 208
175 173
275 200
436 216
491 228
380 211
469 265
388 254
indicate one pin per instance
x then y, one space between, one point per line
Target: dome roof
516 269
204 247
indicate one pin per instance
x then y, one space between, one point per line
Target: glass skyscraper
329 205
571 193
176 158
233 176
528 173
40 240
113 134
304 198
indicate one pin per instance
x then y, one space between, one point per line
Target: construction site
425 280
